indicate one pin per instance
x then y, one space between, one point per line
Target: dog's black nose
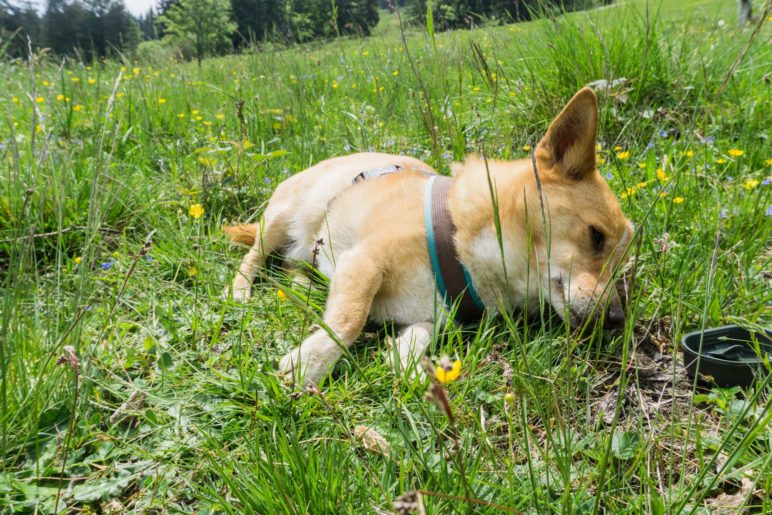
615 317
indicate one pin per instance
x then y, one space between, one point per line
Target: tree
204 25
17 23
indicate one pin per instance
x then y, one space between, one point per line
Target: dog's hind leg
408 348
267 236
357 279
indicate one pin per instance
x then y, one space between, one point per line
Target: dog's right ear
568 147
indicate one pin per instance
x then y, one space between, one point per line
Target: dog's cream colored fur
372 242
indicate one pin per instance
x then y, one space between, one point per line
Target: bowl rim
705 358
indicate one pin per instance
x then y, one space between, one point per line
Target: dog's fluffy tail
244 234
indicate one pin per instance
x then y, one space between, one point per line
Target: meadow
128 384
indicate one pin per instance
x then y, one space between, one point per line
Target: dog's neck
492 257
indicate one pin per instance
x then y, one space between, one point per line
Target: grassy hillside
169 401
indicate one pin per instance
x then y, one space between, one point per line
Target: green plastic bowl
728 354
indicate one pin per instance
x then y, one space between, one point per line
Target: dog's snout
615 316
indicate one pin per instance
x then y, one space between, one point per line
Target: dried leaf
372 440
411 502
729 504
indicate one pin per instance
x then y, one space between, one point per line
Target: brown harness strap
451 272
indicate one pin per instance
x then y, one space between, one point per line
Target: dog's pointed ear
569 145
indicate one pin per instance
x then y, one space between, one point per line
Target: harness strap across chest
451 278
450 275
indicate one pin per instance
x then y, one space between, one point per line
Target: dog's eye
598 239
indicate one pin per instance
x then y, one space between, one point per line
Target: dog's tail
244 234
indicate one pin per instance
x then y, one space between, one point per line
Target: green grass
545 420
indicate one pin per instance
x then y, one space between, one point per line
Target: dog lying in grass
400 243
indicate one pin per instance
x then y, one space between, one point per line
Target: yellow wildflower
598 147
509 397
78 260
207 123
526 148
282 296
617 148
768 162
678 200
77 107
15 100
180 115
246 144
46 83
194 112
720 160
75 79
661 177
663 194
136 71
40 100
750 184
736 152
689 153
395 73
641 165
196 210
623 155
60 97
192 271
199 118
447 372
91 81
219 116
162 101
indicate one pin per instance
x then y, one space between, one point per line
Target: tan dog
375 244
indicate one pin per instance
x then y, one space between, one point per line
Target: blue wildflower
769 211
766 182
722 214
609 176
107 265
267 180
663 133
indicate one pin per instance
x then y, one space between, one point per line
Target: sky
135 7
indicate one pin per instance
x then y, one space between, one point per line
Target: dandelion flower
162 101
75 79
219 116
689 153
180 115
78 260
641 165
395 73
623 155
678 200
196 211
661 177
736 152
750 184
527 148
77 107
282 296
136 71
768 162
91 81
447 371
192 271
40 100
720 160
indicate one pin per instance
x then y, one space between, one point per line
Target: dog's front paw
239 294
405 364
309 363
